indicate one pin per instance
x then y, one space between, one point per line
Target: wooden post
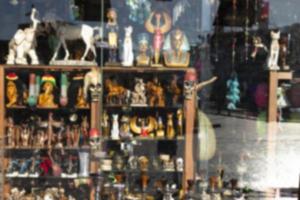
274 77
2 130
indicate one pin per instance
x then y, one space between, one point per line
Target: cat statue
115 131
128 56
274 51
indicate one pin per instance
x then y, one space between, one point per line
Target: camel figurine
23 44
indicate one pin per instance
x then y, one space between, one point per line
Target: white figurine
138 96
274 51
92 83
115 127
73 32
128 47
23 44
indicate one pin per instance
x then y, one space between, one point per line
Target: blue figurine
233 94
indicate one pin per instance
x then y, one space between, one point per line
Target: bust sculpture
46 98
143 58
176 49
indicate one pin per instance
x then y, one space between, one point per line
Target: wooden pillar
2 130
189 113
274 77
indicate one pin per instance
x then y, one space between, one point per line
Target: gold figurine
179 122
143 58
170 126
144 128
11 90
46 98
80 100
155 92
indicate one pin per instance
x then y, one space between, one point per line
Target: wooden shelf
111 106
140 139
46 177
45 148
39 108
143 69
139 171
47 67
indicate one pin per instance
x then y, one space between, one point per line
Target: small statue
125 128
138 97
105 124
155 93
170 127
158 29
179 164
142 58
179 123
174 89
46 98
283 52
80 100
143 163
94 138
41 139
64 85
12 133
176 49
145 181
25 136
258 45
160 132
128 48
84 130
274 51
144 128
92 82
115 127
23 43
112 29
11 90
16 194
115 92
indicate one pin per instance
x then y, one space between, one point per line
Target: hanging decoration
233 94
139 10
179 8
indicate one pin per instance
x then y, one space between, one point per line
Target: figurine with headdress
176 49
112 29
11 90
46 98
76 93
143 58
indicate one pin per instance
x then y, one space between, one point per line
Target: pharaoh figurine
112 29
11 90
143 58
46 98
176 49
158 30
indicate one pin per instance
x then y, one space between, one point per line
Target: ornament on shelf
155 91
12 90
233 94
116 94
174 89
112 29
64 84
128 56
258 45
125 127
138 96
179 127
283 53
84 159
94 137
274 51
158 30
23 43
46 98
143 59
160 132
170 127
142 126
176 47
12 133
34 89
143 163
115 132
92 84
105 124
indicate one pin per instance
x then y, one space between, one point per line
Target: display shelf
46 177
129 107
142 69
48 67
143 139
45 148
46 109
140 172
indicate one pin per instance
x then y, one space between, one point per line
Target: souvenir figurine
80 100
128 48
176 49
169 191
84 130
115 93
170 127
258 45
25 136
138 96
125 128
158 29
145 180
63 89
143 58
16 194
94 138
283 53
92 83
106 165
112 29
143 163
13 168
11 133
41 138
274 51
34 89
115 127
174 89
11 90
133 162
46 98
155 93
142 127
84 158
179 164
23 43
105 124
160 132
66 32
179 127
